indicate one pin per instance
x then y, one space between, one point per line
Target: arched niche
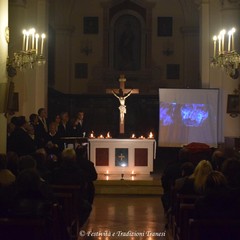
127 45
125 20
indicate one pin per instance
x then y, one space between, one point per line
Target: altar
123 156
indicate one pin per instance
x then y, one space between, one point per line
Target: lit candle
219 44
233 31
32 32
101 136
133 136
132 171
107 172
223 36
37 37
150 135
108 135
214 46
132 178
24 39
43 37
229 40
27 38
107 178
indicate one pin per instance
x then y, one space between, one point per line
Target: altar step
130 185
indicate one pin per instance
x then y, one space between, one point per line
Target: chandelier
224 54
31 53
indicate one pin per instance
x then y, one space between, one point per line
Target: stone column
204 43
230 15
3 74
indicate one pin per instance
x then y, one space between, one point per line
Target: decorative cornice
19 3
230 3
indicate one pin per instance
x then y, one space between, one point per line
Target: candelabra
30 54
227 58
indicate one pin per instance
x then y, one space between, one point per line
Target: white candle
43 36
219 44
37 37
132 171
233 31
214 46
223 36
33 36
27 35
229 40
24 39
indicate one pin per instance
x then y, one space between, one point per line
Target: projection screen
188 115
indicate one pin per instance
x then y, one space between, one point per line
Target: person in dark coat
69 173
20 141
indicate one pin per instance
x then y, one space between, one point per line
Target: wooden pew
68 196
214 229
32 228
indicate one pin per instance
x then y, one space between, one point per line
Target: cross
122 93
121 157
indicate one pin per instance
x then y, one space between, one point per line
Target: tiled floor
125 217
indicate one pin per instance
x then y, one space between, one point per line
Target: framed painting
233 103
90 25
165 26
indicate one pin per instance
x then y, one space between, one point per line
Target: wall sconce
31 53
86 47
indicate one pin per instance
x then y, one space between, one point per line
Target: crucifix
122 93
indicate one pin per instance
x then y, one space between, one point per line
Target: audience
195 183
69 173
20 141
6 176
216 201
12 162
64 128
170 174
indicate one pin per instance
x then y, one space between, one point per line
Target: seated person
6 176
90 173
216 201
53 144
69 173
195 183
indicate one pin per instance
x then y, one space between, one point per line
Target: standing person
20 141
57 121
63 128
43 125
81 125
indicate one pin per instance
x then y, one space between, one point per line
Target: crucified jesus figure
122 108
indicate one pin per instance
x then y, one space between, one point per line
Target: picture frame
233 103
90 25
165 26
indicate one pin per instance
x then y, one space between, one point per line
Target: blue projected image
167 113
191 115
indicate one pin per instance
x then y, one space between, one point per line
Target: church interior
119 119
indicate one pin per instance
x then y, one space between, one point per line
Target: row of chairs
64 216
185 226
